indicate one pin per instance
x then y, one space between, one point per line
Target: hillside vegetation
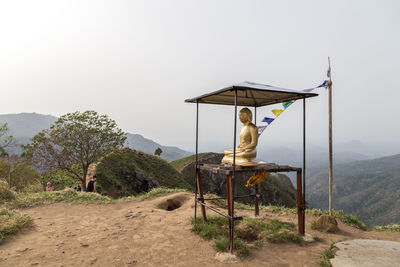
119 173
276 189
369 188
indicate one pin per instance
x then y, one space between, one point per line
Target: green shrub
61 179
351 220
241 248
215 227
12 222
5 192
326 256
390 227
278 231
221 243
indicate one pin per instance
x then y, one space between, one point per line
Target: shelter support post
197 154
230 210
300 206
257 202
304 160
200 189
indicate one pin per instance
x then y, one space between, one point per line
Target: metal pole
256 188
255 116
234 175
304 162
195 172
330 138
300 211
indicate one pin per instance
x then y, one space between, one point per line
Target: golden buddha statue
246 151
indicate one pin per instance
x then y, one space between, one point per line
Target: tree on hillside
75 138
17 172
6 140
158 151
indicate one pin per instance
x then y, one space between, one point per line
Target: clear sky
137 61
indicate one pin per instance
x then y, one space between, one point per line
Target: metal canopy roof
251 94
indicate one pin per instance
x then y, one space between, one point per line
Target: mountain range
24 126
368 188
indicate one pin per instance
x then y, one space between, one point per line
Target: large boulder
327 223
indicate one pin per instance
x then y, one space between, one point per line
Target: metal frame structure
255 95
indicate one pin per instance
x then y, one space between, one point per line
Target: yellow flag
253 180
277 112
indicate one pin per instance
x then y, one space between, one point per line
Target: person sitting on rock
49 187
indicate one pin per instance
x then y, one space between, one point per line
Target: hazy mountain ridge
368 188
24 126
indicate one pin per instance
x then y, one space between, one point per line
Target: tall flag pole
329 74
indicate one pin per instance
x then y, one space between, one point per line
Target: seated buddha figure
246 151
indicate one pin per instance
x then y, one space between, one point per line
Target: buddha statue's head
245 115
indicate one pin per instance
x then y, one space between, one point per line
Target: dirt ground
145 234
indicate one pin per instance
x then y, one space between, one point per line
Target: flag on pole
277 112
286 104
268 120
261 129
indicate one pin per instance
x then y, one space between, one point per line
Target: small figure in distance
77 188
49 187
91 187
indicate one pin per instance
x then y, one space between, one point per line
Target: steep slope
126 172
369 188
276 189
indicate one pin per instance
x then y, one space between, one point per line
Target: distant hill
24 126
138 142
368 188
276 189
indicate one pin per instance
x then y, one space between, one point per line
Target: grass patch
27 200
317 238
249 233
390 228
351 220
278 232
11 222
326 256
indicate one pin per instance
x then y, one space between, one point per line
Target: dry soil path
145 234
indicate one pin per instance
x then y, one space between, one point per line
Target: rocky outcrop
327 223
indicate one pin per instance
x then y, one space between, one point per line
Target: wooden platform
227 169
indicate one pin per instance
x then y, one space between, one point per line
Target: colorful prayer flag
323 84
268 120
277 112
286 104
261 129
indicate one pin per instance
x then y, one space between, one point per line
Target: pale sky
137 61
